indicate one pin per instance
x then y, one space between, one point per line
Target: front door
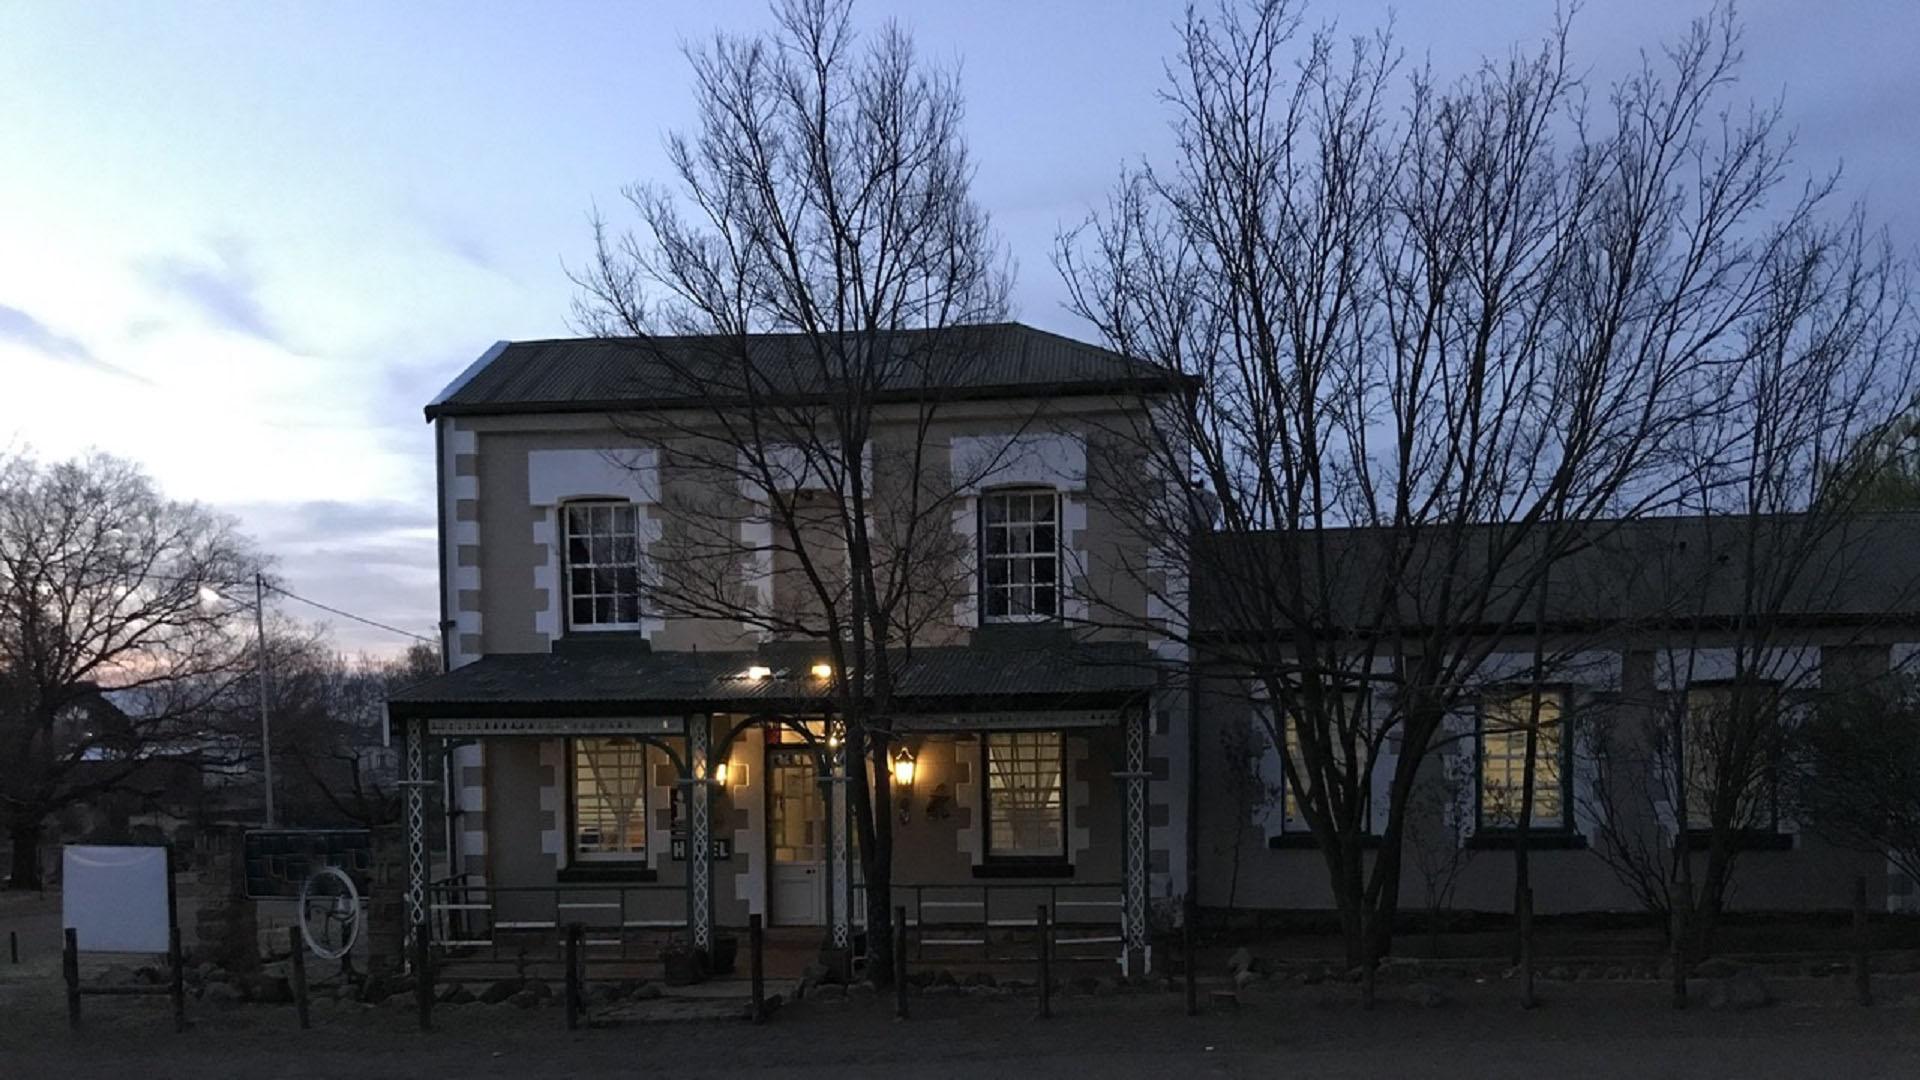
796 835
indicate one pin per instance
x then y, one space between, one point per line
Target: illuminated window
1731 737
1291 802
609 799
1026 806
1504 721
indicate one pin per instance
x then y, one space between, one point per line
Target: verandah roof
1020 669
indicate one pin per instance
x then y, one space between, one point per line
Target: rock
525 999
816 972
538 988
1714 968
150 975
943 977
1748 991
978 978
1559 973
1243 979
223 994
862 990
646 992
500 990
1085 984
1240 961
1428 995
273 990
829 992
458 995
1313 976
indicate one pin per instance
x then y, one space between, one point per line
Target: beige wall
1239 868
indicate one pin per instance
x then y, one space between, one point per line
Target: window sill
1537 840
609 874
1048 868
1304 841
1743 840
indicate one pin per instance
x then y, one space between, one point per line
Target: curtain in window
1026 806
609 799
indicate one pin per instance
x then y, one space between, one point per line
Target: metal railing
466 914
967 921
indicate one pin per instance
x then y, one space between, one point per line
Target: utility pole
266 735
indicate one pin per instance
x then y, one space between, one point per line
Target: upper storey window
1020 555
603 565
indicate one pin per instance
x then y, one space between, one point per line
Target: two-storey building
629 756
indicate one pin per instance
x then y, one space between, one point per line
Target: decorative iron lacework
840 871
416 824
700 842
1136 883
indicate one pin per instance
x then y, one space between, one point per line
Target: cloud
21 328
225 289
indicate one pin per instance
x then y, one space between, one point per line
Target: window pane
609 799
1504 723
1025 803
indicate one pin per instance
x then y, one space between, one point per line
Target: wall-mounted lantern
903 770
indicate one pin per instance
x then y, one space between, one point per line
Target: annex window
1733 739
1291 800
1020 555
1026 808
609 799
603 565
1505 718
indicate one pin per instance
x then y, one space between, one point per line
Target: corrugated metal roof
1652 571
614 374
1034 670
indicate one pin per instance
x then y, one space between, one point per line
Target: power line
350 615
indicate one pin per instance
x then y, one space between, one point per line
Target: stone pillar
225 931
1137 959
386 899
700 832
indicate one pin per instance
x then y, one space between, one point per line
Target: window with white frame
1020 555
1505 719
1026 807
603 565
1734 741
1350 717
609 784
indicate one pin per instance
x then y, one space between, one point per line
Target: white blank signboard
115 898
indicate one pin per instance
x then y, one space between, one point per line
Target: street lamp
211 597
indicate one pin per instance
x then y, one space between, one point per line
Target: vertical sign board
115 898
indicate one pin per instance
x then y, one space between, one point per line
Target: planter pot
725 950
684 965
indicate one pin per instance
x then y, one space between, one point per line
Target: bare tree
1827 366
1858 770
823 198
327 713
1442 337
104 583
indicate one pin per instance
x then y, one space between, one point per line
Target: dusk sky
244 244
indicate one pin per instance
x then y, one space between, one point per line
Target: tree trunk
26 855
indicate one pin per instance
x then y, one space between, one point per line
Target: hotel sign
545 725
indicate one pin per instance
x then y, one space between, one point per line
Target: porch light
823 671
720 774
903 780
758 672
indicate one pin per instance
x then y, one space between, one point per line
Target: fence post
13 944
1526 949
70 967
422 977
1186 942
297 968
1044 926
571 985
1862 959
900 962
177 974
756 934
1677 955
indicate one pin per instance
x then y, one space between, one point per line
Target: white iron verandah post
840 828
699 832
416 787
1137 945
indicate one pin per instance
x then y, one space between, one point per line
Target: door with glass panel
796 838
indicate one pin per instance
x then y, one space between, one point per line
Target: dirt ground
1459 1027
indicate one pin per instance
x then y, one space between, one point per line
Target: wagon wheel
329 913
